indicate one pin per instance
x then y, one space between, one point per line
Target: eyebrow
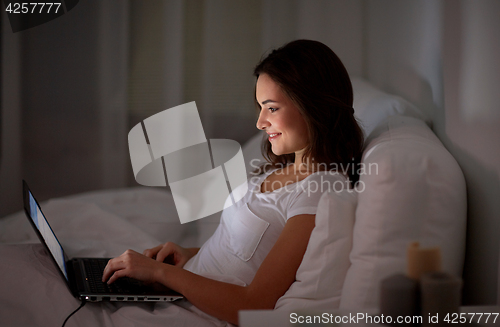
267 101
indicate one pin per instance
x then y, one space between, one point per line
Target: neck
301 164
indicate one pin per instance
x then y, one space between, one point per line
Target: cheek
300 128
298 135
304 137
303 128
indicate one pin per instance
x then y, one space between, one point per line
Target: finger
108 270
152 252
117 274
113 265
166 251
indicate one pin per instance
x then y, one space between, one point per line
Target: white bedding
101 224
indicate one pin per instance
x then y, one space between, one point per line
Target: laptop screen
48 235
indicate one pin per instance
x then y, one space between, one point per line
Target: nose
263 122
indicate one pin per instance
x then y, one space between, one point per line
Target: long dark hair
315 79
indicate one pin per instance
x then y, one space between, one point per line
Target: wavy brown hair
315 79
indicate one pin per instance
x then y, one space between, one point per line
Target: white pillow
417 194
372 106
321 274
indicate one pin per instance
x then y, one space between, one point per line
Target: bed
414 192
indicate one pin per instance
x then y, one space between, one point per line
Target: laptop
83 276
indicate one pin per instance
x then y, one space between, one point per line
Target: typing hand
171 253
134 265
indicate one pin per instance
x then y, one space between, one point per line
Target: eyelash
273 109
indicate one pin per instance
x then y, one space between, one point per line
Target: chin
280 153
277 152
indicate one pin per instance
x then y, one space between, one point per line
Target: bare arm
224 300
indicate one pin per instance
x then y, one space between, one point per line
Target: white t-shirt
250 228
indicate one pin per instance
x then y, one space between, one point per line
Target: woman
305 100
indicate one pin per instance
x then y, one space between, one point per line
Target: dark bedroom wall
10 164
60 103
73 101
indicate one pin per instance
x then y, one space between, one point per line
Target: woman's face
280 118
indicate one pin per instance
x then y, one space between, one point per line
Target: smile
273 136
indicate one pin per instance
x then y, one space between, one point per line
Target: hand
171 253
134 265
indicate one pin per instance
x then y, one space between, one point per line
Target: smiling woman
280 118
305 97
310 78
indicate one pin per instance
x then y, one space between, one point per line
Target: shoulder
305 197
324 181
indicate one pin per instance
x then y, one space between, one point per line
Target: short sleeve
309 191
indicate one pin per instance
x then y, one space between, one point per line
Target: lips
273 136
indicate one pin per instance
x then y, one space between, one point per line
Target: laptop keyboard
94 268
